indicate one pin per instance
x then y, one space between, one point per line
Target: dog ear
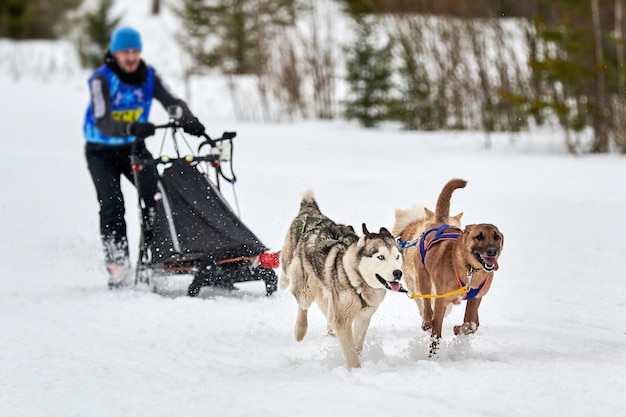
365 231
429 213
384 231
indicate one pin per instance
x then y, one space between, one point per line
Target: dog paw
300 331
434 349
427 325
330 332
466 328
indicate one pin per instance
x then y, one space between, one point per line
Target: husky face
380 260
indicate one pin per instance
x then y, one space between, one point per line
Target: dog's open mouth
489 263
390 285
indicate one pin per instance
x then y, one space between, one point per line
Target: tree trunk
601 143
619 102
619 48
156 7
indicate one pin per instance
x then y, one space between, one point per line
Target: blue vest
129 103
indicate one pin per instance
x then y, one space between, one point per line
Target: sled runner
193 229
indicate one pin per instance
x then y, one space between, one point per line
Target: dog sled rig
193 230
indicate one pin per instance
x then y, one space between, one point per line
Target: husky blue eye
381 257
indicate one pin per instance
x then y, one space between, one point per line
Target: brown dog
450 260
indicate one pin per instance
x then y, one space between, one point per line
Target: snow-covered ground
552 339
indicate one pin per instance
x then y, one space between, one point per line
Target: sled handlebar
221 151
208 139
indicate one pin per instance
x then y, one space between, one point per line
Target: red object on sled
270 260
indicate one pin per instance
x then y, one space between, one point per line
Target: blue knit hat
125 38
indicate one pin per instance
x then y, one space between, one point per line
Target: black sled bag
194 222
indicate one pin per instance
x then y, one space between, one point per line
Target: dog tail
442 210
405 217
308 200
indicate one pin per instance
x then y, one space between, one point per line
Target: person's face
128 59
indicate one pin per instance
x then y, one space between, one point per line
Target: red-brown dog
450 260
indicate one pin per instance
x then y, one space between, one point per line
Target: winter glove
194 127
142 129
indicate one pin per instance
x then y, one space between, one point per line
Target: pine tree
368 75
414 109
232 34
33 19
577 75
198 22
96 28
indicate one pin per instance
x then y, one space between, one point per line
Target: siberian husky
347 276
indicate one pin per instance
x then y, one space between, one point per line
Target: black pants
107 164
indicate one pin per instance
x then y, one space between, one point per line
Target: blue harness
439 236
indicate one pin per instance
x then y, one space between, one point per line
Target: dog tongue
493 262
394 286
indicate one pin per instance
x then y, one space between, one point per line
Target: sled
193 230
